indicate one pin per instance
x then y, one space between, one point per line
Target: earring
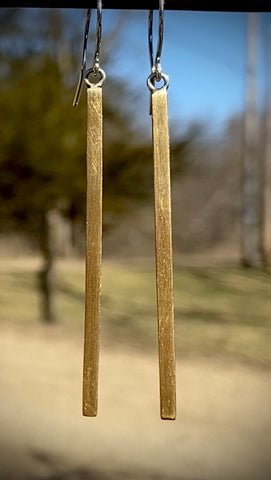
94 78
163 228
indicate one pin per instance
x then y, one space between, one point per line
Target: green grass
219 311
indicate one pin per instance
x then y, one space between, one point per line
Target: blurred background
219 66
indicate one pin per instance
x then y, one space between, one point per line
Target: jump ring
152 78
99 74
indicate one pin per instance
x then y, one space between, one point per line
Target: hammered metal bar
93 250
163 250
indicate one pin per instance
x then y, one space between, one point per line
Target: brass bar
93 250
163 251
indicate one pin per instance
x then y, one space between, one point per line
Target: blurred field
221 311
223 426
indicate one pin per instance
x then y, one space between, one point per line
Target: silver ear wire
95 71
156 63
83 63
96 61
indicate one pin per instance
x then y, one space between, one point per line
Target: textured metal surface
163 251
93 250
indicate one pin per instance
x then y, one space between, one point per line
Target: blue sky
204 54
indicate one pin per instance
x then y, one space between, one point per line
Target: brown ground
223 429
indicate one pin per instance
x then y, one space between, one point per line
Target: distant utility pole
252 249
267 148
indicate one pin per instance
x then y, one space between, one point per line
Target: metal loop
98 75
156 62
152 78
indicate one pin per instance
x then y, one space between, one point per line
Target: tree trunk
47 273
252 249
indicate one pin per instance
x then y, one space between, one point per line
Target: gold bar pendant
93 250
163 251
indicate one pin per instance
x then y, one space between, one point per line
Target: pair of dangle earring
94 78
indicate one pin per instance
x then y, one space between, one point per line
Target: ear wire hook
96 62
95 70
156 69
155 64
84 61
